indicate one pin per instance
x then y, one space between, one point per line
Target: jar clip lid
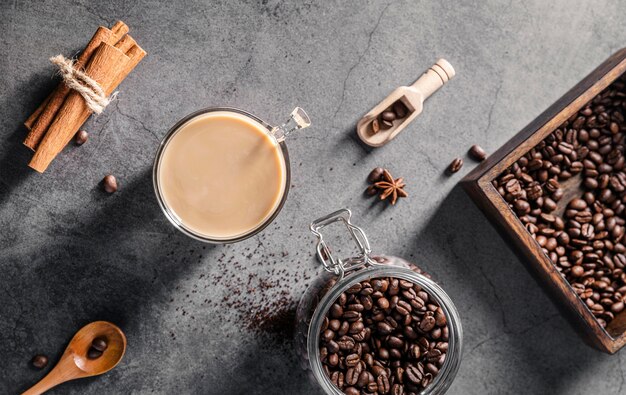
331 263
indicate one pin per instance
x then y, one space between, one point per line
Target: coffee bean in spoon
388 115
400 109
93 353
477 153
109 183
39 361
375 126
386 124
81 137
99 344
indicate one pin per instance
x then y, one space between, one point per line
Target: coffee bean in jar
376 324
383 335
569 191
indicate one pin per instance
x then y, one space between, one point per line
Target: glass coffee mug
222 175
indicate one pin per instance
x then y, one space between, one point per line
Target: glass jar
341 274
297 120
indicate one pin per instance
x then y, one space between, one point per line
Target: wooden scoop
413 99
74 363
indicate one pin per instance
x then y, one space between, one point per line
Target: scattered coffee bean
81 137
585 243
477 153
455 165
39 361
395 342
110 184
371 190
93 353
99 343
375 175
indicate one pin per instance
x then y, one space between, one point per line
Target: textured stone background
69 254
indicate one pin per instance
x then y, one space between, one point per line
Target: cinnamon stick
135 53
41 119
125 43
33 117
105 66
119 29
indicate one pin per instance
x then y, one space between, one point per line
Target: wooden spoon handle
434 78
50 380
65 370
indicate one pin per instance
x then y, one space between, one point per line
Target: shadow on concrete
93 276
15 156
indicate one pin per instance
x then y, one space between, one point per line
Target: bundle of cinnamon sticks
108 58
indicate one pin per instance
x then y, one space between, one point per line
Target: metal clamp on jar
398 349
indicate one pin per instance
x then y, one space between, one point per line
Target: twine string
86 86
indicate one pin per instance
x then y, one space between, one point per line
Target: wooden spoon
413 98
74 363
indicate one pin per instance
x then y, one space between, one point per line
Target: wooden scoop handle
434 78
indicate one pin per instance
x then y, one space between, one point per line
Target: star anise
390 188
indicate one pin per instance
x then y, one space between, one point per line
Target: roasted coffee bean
375 175
386 124
371 191
428 323
477 153
388 115
578 204
383 303
382 384
414 374
109 183
352 360
364 378
375 126
332 346
346 343
351 316
39 361
337 378
99 343
455 165
336 311
395 342
351 391
440 317
356 327
377 370
400 109
81 137
93 353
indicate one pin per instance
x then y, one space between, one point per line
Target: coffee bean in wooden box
566 246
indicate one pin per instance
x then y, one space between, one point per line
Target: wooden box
478 185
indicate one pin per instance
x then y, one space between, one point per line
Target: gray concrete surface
70 254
